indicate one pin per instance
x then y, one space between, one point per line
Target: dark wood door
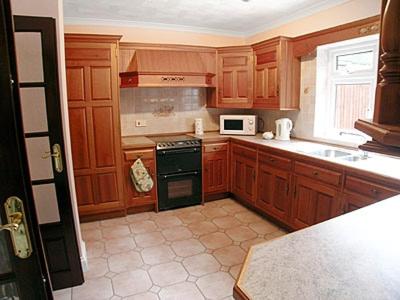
20 278
273 193
93 103
235 79
36 49
314 202
215 172
243 177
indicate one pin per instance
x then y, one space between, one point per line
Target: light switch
141 123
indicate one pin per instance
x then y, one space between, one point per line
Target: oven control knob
251 122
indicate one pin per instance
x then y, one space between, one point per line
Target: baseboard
84 259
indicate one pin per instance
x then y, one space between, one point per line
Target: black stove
178 171
176 142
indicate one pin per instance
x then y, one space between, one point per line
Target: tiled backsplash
173 110
167 110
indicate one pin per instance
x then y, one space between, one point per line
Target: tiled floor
189 253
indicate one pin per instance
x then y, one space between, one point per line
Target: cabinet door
216 172
235 80
132 196
273 191
244 178
266 84
355 201
92 89
314 202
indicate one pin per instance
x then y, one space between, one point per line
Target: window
346 82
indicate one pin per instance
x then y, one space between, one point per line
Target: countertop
354 256
382 165
378 164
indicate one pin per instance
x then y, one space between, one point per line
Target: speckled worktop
354 256
382 165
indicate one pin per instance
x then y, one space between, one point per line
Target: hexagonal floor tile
143 227
119 245
157 255
165 221
201 264
235 270
149 239
248 217
125 261
168 273
241 233
130 283
187 248
233 208
97 288
95 249
216 285
263 227
229 256
115 231
144 296
191 217
215 240
91 235
226 222
213 212
184 290
138 217
98 267
177 233
113 222
204 227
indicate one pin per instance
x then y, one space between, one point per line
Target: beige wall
54 9
345 13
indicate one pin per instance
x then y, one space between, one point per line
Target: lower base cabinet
273 196
313 202
215 168
133 198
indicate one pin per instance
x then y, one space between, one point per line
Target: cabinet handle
287 190
315 173
374 191
254 175
272 160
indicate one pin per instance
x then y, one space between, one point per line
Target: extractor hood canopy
166 68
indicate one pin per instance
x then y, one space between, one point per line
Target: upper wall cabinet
235 77
276 75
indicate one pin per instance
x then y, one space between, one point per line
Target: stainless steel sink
353 158
332 153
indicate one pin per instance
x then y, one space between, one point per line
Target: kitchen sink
352 158
331 153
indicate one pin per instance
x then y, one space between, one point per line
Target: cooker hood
166 68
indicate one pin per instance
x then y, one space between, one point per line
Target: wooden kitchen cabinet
235 77
243 176
276 75
93 105
133 198
359 192
313 202
274 186
215 168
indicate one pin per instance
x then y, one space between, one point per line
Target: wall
345 13
166 110
54 9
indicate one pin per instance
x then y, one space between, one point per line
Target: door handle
18 227
57 157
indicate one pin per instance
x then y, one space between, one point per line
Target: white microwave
238 124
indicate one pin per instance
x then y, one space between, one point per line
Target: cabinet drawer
245 152
215 147
276 161
142 154
369 189
330 177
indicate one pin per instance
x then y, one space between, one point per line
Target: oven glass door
179 189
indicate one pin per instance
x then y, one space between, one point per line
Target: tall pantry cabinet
93 104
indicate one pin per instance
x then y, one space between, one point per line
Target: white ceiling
232 17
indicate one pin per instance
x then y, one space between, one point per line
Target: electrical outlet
140 123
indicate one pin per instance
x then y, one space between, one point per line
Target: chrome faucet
364 154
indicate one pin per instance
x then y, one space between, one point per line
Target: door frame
31 272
